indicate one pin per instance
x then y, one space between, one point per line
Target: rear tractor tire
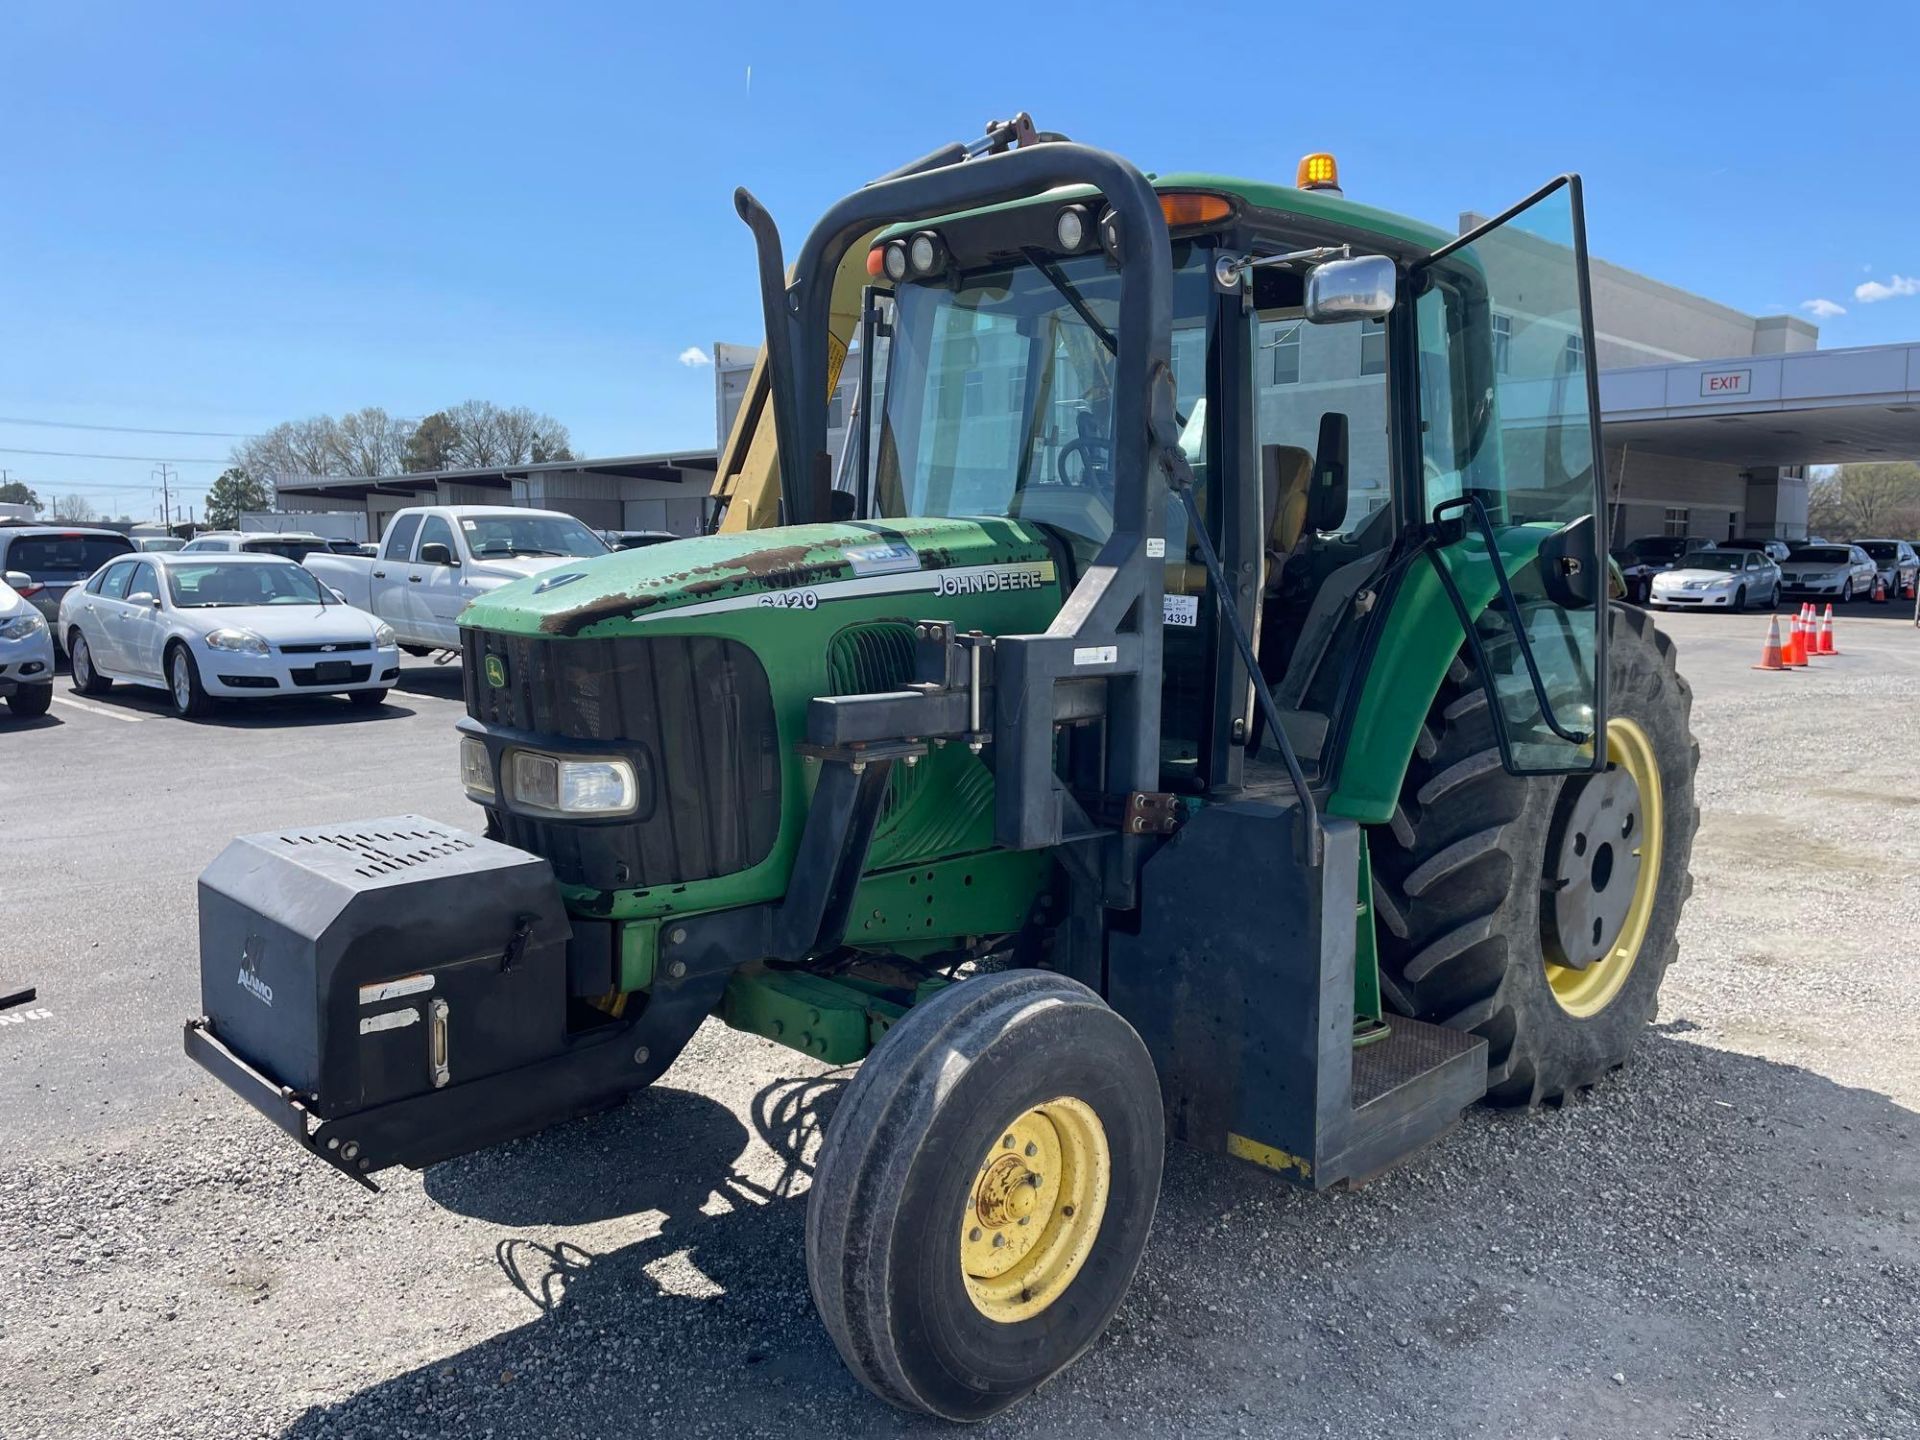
984 1193
1540 911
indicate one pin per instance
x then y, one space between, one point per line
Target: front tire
1485 883
30 700
367 699
1846 593
984 1193
190 699
86 679
1740 601
1774 604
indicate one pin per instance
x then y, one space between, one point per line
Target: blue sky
218 217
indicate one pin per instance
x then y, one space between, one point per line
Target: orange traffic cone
1794 652
1770 657
1826 645
1879 589
1809 633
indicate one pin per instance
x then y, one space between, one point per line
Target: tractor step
1408 1089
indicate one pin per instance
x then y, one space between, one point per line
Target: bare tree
1863 501
493 435
370 442
293 447
74 510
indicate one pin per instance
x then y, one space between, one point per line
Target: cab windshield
998 391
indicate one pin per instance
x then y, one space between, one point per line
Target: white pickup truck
435 558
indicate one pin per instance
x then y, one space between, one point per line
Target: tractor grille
694 713
869 660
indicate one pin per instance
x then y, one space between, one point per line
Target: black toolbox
356 965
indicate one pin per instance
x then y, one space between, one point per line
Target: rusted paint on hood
635 585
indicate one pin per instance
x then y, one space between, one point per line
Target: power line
144 459
125 429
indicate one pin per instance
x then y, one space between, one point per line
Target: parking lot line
100 710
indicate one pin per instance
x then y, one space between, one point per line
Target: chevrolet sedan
1718 580
1839 572
210 627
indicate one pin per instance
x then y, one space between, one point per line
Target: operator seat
1286 478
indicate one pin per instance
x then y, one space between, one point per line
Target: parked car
287 544
1718 579
435 558
635 539
42 562
1895 561
206 627
1775 548
1651 554
158 544
1839 572
26 655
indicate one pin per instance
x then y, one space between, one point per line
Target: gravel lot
1722 1240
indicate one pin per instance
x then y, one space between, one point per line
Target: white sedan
205 627
1717 580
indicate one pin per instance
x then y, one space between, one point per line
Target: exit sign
1715 383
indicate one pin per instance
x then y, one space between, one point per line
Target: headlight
21 626
476 767
570 787
383 635
243 640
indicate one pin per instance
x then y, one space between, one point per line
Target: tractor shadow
1430 1299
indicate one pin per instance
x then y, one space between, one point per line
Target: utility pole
166 474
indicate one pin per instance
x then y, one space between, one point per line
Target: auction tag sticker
1156 549
1096 655
1180 610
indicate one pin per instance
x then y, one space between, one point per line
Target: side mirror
144 597
1362 288
1569 571
336 595
19 580
434 553
1327 499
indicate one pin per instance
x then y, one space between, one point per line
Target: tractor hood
794 567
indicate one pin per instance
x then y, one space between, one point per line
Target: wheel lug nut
998 1241
974 1233
1006 1142
1032 1149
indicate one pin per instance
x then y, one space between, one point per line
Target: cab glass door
1512 471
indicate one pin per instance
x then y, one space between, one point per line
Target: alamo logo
992 582
249 979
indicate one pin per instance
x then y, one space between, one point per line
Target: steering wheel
1077 462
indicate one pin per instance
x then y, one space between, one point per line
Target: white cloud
1822 309
1873 290
693 357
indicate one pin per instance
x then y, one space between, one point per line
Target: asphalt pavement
1721 1240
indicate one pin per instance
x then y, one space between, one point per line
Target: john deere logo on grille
496 672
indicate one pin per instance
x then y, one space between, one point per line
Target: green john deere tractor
1197 707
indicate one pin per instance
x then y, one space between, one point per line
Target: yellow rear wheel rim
1034 1209
1585 993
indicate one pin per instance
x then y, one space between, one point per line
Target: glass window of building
1373 348
1502 343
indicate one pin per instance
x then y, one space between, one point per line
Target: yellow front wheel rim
1034 1208
1585 992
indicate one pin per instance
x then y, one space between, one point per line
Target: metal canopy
1818 407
